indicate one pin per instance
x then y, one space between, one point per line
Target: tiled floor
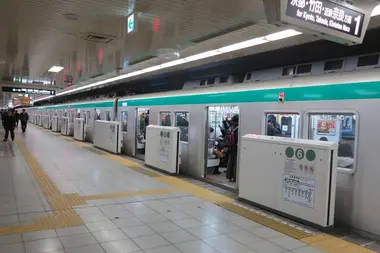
163 223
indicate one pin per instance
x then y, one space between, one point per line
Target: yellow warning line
61 204
323 242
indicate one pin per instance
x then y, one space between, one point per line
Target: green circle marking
310 155
300 153
289 152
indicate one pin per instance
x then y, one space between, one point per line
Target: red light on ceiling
156 24
100 54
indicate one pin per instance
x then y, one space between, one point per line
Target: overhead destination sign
28 90
327 14
332 20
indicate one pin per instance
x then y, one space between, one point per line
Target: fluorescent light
55 69
200 56
376 11
244 44
282 35
230 48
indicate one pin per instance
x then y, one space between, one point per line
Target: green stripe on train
363 90
348 91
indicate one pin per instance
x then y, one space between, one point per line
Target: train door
222 135
142 121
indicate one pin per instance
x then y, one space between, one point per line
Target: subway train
340 107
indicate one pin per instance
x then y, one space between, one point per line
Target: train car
340 107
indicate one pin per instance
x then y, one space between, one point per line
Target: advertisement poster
326 127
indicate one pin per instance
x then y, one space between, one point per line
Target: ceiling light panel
230 48
55 69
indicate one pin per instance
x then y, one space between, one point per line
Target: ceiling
37 34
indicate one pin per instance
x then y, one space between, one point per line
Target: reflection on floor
220 178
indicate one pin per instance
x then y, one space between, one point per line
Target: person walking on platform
9 123
24 117
17 117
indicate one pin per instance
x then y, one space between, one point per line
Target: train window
203 83
282 124
223 79
165 119
333 65
288 71
302 69
182 122
339 128
124 121
108 116
368 60
211 81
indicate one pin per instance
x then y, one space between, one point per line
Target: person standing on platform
9 122
24 117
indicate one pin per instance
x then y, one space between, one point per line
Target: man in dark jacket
232 157
9 123
24 117
17 118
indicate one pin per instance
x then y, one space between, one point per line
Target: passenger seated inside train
273 128
345 154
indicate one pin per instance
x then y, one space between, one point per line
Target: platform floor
58 195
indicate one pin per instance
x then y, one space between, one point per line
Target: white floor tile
244 237
109 235
73 241
266 247
43 245
165 226
203 232
226 228
128 222
13 248
178 236
8 239
72 231
150 241
32 236
99 226
221 242
194 246
138 231
95 248
152 218
123 246
188 223
165 249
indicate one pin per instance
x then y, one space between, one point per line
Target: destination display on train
327 14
